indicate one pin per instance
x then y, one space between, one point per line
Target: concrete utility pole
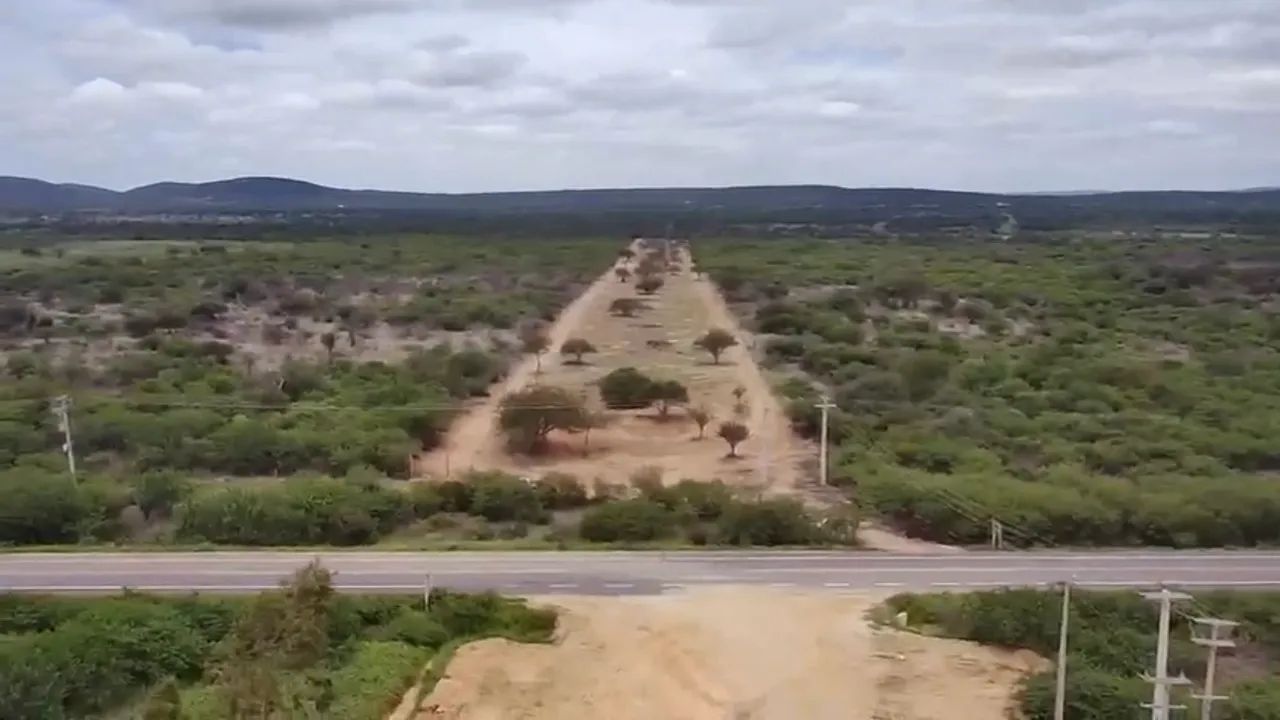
1060 695
826 406
1219 637
62 409
997 534
1161 682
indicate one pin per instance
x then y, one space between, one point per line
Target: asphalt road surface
622 573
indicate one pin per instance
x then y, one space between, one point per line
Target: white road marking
619 586
562 586
835 585
889 584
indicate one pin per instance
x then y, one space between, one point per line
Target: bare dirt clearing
658 341
728 653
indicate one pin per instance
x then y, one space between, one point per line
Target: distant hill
813 204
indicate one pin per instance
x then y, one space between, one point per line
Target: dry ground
659 342
727 654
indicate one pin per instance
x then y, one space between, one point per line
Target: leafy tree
529 416
329 339
534 340
666 393
701 416
650 284
577 347
626 389
625 307
715 342
158 492
735 434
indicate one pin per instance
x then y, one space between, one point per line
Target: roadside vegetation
163 509
1086 391
1112 643
302 651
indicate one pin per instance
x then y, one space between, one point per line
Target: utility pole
62 409
1060 694
826 406
1161 682
1219 637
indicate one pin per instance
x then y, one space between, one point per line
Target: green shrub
627 521
766 522
371 683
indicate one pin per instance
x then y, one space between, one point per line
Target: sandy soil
728 653
659 342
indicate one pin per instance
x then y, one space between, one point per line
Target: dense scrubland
1112 643
269 393
301 651
1084 390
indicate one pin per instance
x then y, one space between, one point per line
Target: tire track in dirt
476 428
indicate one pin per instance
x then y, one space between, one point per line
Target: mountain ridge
820 204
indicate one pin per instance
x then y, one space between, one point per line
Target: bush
498 497
40 508
301 511
767 523
561 491
627 521
371 683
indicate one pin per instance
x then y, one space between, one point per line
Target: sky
478 95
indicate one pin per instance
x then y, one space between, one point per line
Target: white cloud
495 94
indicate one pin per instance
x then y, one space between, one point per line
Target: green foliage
298 652
529 416
371 683
1112 642
626 389
627 521
39 508
299 511
766 522
1087 391
499 497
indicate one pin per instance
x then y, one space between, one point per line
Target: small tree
626 389
329 340
534 340
716 341
528 417
650 284
623 274
734 433
666 393
625 307
702 417
577 347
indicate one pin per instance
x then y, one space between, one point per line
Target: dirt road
659 341
728 653
472 433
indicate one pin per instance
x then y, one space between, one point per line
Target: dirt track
727 653
659 342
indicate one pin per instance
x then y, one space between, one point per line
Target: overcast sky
466 95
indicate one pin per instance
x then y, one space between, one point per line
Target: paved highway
617 573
